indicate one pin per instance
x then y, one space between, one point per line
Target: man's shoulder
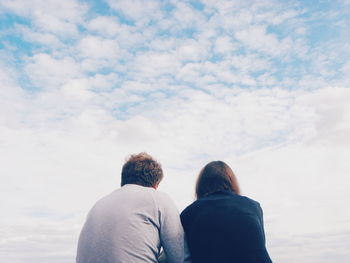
162 197
165 203
135 196
102 201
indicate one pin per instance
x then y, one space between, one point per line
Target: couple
136 222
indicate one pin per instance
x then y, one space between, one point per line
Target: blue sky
262 85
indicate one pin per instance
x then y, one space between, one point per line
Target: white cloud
59 17
47 72
324 246
258 39
153 64
249 63
172 83
275 18
46 39
12 98
66 10
108 26
104 82
184 133
98 48
166 44
346 69
139 11
192 50
78 89
187 17
224 45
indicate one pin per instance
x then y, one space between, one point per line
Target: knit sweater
131 225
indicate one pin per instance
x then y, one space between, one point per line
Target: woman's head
216 176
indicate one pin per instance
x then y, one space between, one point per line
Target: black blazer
225 228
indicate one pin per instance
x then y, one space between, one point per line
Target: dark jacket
225 228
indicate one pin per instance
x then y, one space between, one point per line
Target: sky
262 85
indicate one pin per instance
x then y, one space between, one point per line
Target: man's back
129 226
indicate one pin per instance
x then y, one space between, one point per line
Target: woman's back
224 227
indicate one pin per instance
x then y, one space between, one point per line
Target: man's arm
171 231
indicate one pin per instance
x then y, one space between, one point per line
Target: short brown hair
141 169
216 176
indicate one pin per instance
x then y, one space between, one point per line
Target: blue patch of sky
99 7
16 60
164 34
318 5
167 7
123 111
123 19
16 47
178 32
294 69
317 30
197 5
26 84
241 49
283 30
322 31
82 30
188 32
10 38
7 20
14 43
258 73
321 19
216 57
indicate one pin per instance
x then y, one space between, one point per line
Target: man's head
142 169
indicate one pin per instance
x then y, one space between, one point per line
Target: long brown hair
216 176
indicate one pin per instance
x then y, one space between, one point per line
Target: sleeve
187 255
183 217
171 231
83 248
261 219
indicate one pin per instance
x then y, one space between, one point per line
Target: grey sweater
130 225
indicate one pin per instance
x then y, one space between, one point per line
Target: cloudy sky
262 85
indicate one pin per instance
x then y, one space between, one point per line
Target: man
133 223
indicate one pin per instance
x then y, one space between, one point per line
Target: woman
221 225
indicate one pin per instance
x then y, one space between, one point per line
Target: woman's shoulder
232 199
190 207
245 200
248 200
191 212
252 206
